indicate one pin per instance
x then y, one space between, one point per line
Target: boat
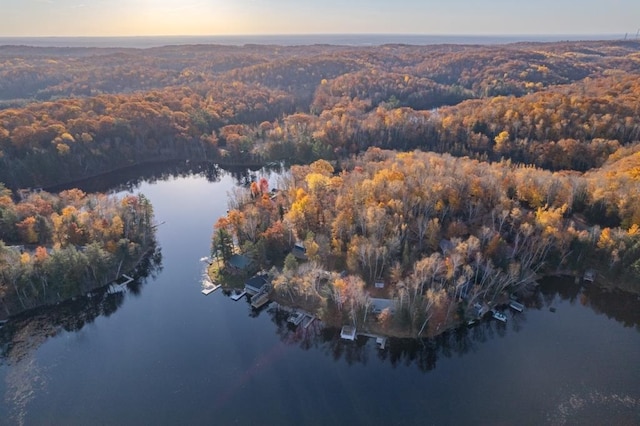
516 306
296 318
499 316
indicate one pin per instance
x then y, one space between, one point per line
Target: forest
441 233
55 247
67 114
454 174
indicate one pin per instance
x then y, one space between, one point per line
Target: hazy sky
221 17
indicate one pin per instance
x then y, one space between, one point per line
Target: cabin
299 251
239 263
379 305
256 284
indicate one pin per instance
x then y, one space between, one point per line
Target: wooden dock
210 289
308 321
117 287
381 341
237 296
259 300
516 306
348 332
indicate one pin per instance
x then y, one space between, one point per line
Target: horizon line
325 34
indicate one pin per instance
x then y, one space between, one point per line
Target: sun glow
220 17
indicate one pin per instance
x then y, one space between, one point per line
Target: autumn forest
456 175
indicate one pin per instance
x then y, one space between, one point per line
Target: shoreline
82 293
372 325
160 161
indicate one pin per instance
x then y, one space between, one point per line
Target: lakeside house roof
379 305
255 283
299 251
239 261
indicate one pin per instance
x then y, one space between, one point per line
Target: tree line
54 247
556 105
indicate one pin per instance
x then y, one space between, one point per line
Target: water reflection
425 353
130 178
622 307
25 333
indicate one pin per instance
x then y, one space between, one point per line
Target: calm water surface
166 354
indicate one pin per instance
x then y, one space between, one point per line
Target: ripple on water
596 408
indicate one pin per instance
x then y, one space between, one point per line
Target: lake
164 353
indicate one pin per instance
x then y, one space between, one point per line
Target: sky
25 18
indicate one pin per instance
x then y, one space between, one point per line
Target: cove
163 353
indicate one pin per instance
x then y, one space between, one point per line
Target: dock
348 332
381 341
210 289
208 286
117 287
259 300
238 296
516 306
308 321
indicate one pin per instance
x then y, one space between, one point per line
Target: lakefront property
394 221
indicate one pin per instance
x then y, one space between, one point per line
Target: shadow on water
617 305
25 333
425 353
129 178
